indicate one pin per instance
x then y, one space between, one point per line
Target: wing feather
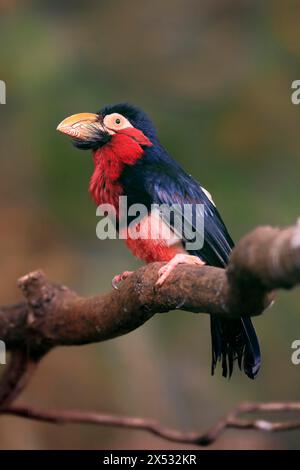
181 189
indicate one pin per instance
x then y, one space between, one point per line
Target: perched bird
129 160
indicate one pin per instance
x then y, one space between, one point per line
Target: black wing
232 339
176 187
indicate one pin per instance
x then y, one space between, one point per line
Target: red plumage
155 241
124 148
152 250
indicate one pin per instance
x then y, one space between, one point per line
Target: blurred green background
215 76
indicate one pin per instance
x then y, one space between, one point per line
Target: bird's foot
180 258
119 278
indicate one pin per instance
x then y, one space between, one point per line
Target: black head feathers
137 117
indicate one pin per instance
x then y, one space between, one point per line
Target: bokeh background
215 76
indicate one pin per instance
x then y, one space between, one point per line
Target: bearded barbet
130 161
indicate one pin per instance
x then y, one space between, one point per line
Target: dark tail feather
235 339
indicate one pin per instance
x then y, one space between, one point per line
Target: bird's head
112 124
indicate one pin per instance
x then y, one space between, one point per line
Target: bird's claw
114 283
181 258
119 278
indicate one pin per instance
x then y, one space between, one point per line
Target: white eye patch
115 122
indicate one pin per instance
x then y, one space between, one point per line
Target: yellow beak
82 126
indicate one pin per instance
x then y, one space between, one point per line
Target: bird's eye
118 121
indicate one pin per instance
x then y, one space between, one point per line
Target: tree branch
16 376
231 421
52 315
